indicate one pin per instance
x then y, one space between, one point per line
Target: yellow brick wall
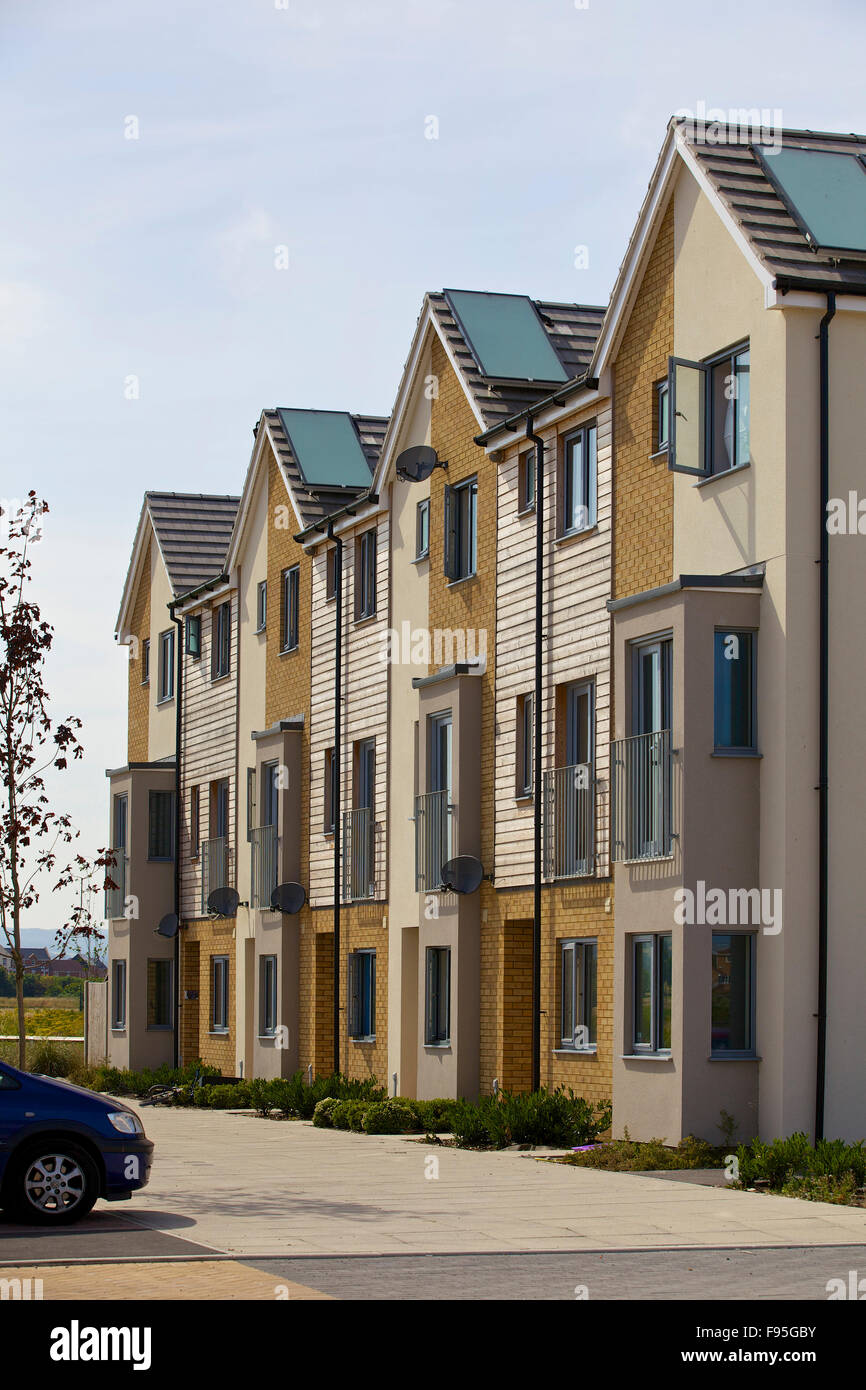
200 942
139 695
643 487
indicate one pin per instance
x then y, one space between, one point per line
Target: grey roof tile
193 530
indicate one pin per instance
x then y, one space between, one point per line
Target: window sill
118 1027
290 651
419 559
438 1047
259 630
158 1028
363 1042
575 1051
568 536
659 454
716 477
215 680
734 1057
526 511
266 1037
365 618
461 579
646 1057
147 682
736 753
165 700
524 799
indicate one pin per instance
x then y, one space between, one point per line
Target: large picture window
579 999
733 994
652 981
362 995
577 484
734 690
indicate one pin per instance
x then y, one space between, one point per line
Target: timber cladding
139 695
643 486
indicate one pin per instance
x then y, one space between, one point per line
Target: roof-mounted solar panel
326 447
506 336
824 191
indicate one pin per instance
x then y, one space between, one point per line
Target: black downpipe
335 772
823 713
536 752
178 815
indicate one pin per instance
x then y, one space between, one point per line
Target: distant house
35 959
75 966
6 961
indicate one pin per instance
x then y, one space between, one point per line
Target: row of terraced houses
606 654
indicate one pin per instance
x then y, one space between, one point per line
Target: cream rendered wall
765 514
161 719
252 567
409 599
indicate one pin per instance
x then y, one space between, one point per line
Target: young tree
33 837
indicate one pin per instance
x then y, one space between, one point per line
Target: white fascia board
812 299
403 397
237 536
732 226
121 632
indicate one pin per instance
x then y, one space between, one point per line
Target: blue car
61 1147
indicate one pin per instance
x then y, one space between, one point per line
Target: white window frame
583 951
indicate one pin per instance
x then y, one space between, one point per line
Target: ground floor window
219 994
159 994
579 1004
733 994
437 1028
362 994
118 994
651 992
268 995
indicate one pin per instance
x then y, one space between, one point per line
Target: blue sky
303 125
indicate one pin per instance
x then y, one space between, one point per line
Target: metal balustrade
569 821
115 898
358 858
263 865
214 867
642 794
434 836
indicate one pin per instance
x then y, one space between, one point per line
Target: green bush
824 1188
261 1094
395 1116
322 1115
558 1118
52 1059
349 1114
652 1155
233 1096
789 1164
435 1116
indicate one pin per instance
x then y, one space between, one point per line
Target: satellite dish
168 926
463 874
223 902
417 463
289 897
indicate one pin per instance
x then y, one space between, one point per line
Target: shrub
323 1113
435 1116
791 1165
52 1059
558 1118
234 1096
261 1094
395 1116
823 1188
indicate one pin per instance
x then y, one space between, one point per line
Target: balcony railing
214 867
569 821
642 787
263 865
358 860
115 898
434 836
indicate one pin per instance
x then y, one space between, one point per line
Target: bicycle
164 1093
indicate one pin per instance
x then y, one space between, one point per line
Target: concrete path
249 1186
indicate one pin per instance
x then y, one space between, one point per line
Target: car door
13 1111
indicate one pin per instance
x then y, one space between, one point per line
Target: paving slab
246 1185
153 1280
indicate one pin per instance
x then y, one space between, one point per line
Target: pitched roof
317 502
743 186
193 531
572 330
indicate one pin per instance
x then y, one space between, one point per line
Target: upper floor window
194 821
330 791
461 518
734 690
222 639
219 994
160 834
270 793
219 809
145 661
267 995
437 996
159 993
577 482
192 629
661 428
709 413
331 573
526 482
166 665
290 622
422 529
118 994
262 606
365 575
525 729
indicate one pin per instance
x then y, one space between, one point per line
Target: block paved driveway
250 1186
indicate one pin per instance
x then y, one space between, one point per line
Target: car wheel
52 1185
